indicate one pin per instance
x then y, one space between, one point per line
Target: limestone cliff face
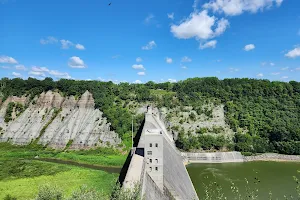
55 120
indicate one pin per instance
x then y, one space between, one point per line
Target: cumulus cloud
79 46
234 69
37 73
275 73
7 59
237 7
184 67
65 44
169 60
186 59
59 74
20 67
272 64
199 25
5 67
150 45
172 80
171 16
141 73
17 75
136 66
137 81
49 40
76 62
284 68
260 75
138 59
293 53
39 69
249 47
210 44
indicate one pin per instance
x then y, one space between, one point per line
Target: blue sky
158 40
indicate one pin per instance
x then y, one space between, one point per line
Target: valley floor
21 174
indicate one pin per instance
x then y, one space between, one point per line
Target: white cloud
234 69
150 45
49 40
149 18
199 25
169 60
249 47
184 67
7 59
222 25
186 59
293 53
237 7
137 81
275 73
20 67
58 74
284 77
279 2
76 62
260 75
284 68
172 80
5 67
263 63
171 16
297 69
39 69
210 44
80 47
66 44
136 66
15 74
36 73
141 73
272 64
138 59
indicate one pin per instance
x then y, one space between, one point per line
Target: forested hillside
264 115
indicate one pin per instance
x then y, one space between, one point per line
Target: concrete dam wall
218 157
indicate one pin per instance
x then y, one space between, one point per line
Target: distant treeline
269 111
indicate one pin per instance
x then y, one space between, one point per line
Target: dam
159 167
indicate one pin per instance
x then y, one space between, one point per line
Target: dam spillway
159 167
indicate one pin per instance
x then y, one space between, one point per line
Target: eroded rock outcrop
56 121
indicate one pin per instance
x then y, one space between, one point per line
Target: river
276 177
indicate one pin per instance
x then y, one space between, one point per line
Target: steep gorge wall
56 121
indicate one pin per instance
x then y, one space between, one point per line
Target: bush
47 192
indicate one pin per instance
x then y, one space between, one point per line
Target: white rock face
77 121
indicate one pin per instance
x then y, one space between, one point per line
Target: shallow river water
262 177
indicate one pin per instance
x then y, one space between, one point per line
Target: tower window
150 169
156 160
150 144
150 160
149 152
156 145
156 168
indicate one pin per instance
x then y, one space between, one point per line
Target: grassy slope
103 157
20 176
68 180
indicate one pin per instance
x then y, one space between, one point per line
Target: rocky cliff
57 121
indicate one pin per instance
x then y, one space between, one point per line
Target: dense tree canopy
269 111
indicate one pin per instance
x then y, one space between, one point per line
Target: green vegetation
265 115
99 156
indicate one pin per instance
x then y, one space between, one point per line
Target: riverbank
273 157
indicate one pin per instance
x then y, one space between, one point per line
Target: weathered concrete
217 157
273 157
176 181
